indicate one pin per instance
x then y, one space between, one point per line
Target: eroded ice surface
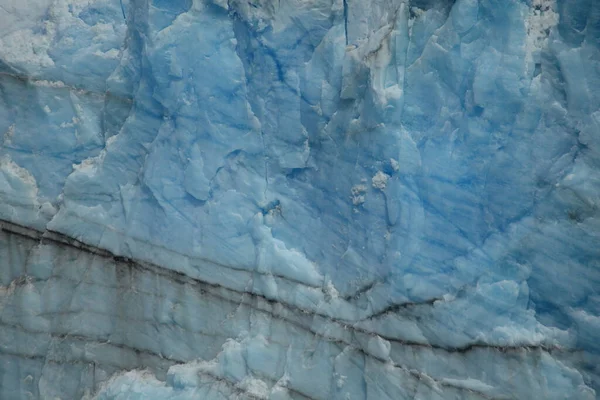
300 199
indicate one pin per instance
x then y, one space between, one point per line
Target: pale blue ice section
291 199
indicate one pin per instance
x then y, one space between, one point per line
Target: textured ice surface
294 199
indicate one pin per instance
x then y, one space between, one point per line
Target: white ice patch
254 387
379 181
275 257
542 18
8 135
358 194
40 25
24 47
19 194
17 182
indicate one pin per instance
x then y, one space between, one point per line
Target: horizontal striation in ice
300 199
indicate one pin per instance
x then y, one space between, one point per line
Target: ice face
300 199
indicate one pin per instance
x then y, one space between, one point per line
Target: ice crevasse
299 199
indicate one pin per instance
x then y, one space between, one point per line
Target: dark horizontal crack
229 384
65 336
61 238
138 352
23 281
218 379
44 358
181 278
178 276
392 308
361 290
58 237
174 361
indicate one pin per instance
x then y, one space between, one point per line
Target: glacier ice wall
291 199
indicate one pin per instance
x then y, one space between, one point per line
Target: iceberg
299 199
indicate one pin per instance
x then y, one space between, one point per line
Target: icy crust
424 173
